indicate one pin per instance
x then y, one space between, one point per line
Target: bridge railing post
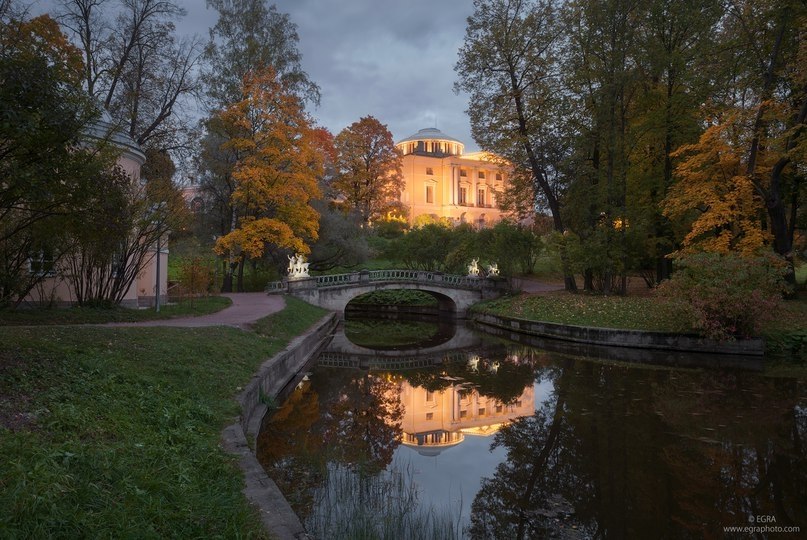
364 276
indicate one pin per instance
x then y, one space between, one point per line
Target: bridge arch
445 304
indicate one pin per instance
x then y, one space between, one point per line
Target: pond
469 436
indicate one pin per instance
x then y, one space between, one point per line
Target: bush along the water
726 295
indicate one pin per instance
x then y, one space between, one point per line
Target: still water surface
464 435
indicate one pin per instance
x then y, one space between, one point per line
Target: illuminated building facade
442 181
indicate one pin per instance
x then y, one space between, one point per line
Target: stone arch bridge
454 294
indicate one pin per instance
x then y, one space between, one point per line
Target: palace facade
441 181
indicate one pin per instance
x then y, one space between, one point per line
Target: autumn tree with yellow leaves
274 174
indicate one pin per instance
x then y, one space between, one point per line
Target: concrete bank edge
613 337
240 437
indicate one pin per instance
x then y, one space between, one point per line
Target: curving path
245 310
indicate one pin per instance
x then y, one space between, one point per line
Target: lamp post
157 298
157 209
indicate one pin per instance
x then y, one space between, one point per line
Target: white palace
444 182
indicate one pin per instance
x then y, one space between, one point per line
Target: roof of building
105 128
427 134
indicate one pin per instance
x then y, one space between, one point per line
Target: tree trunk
241 277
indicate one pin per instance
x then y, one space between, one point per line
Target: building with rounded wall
442 181
58 290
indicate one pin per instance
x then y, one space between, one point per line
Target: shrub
726 295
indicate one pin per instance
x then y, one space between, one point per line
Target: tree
250 36
508 65
368 167
45 166
758 121
274 174
136 67
115 241
341 242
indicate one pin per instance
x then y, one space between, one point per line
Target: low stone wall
611 337
275 374
240 438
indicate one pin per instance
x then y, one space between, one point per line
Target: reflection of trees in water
649 454
340 418
522 499
362 425
290 452
502 373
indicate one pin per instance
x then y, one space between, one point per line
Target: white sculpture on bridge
298 268
493 269
473 268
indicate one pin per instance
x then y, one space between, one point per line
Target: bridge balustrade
394 275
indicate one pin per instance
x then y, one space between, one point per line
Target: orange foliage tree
368 167
275 176
716 194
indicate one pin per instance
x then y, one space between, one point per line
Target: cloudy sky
390 59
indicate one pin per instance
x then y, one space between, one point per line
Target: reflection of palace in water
433 421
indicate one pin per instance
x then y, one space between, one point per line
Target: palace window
429 171
463 195
429 396
463 414
463 172
430 194
482 175
499 177
429 416
480 197
481 411
498 408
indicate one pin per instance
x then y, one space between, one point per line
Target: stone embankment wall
611 337
240 438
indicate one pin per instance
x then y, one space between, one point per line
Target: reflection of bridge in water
454 294
341 352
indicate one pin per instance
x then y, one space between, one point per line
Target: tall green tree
250 36
509 66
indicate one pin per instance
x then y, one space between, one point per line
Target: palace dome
431 141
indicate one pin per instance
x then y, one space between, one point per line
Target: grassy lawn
629 312
77 315
114 432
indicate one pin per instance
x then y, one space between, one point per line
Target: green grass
801 275
297 317
786 333
626 312
84 315
114 432
401 297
